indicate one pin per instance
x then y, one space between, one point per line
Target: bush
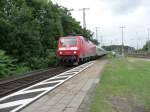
38 63
6 65
9 67
22 69
52 59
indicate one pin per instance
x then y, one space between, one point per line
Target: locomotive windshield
68 41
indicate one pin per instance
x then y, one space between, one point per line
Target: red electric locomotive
75 49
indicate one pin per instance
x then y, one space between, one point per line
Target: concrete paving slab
70 110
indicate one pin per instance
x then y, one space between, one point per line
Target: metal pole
84 21
84 18
111 45
137 44
148 41
101 41
122 27
96 33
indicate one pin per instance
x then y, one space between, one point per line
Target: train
77 49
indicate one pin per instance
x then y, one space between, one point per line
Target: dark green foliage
6 66
146 47
29 28
52 59
38 62
20 69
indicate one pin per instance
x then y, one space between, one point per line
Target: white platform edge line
15 103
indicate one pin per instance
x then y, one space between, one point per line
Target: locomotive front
68 49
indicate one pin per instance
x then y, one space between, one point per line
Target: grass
124 87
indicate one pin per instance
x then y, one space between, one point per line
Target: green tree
146 47
6 65
30 29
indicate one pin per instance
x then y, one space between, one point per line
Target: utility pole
111 45
84 20
122 28
148 41
137 44
101 40
96 34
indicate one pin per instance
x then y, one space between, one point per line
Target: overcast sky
109 15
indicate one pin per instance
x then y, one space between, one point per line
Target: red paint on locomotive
75 49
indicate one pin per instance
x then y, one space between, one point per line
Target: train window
68 41
86 39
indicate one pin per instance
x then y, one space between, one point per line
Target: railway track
16 83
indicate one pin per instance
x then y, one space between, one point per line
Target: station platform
69 96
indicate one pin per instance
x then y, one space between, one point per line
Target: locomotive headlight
74 52
60 52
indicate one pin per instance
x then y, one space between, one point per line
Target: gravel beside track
8 86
